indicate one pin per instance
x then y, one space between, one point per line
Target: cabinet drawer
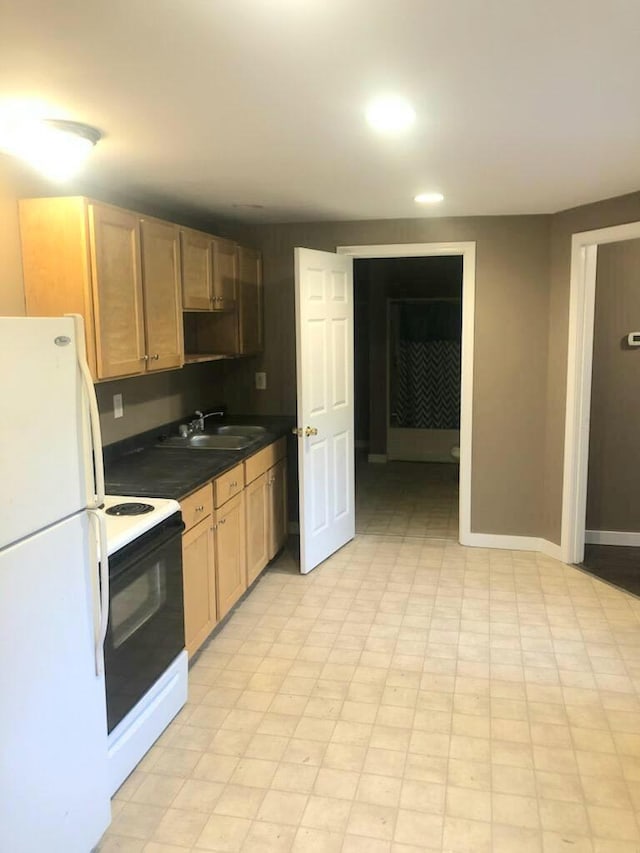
264 459
197 506
228 485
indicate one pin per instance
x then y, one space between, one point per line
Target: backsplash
150 401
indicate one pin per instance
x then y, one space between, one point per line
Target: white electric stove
134 519
144 655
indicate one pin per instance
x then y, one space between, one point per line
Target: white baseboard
612 537
377 457
511 543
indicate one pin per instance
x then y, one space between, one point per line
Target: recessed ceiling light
57 149
390 114
429 198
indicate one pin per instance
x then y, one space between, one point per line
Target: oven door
145 631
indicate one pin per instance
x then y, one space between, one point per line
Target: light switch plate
261 381
118 408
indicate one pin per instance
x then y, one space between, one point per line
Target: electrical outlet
261 381
118 408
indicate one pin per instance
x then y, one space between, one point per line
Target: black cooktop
129 508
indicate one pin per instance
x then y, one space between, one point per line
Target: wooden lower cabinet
199 582
257 505
277 496
230 553
232 532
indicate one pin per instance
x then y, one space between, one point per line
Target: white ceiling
524 106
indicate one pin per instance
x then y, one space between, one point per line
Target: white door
53 769
42 459
324 360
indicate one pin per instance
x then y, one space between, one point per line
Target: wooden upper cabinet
250 300
225 274
197 271
116 279
162 302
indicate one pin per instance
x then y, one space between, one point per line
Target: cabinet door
197 271
117 291
256 497
225 275
230 553
162 302
277 480
250 300
199 579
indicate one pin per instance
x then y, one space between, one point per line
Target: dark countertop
137 467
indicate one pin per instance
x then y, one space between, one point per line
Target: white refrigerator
54 792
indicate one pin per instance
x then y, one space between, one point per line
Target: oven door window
137 603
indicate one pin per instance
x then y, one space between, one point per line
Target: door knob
310 431
296 431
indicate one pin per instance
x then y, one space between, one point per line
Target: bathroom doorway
408 321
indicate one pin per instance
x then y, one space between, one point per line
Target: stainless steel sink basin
238 429
208 442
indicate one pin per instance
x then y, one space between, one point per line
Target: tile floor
408 695
407 498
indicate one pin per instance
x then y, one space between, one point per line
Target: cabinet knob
155 357
200 508
222 521
144 358
233 485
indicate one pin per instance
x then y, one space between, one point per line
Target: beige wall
510 350
150 401
614 211
614 448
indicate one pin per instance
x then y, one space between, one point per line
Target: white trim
468 252
512 543
377 457
625 538
584 251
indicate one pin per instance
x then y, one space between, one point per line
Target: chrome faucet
197 425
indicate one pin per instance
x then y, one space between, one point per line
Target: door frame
468 252
584 256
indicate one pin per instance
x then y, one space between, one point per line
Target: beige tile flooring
408 695
407 498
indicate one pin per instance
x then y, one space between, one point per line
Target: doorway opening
413 340
587 250
612 536
408 335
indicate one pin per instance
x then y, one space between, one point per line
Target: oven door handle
103 563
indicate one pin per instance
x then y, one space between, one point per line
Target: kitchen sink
238 429
209 442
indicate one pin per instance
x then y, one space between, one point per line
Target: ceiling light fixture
390 114
429 198
58 149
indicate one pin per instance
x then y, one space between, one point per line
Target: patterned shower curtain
426 380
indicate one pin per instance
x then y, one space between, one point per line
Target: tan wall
510 349
150 401
614 449
614 211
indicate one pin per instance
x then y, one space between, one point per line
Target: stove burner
129 509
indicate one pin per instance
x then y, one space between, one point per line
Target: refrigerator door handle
97 499
102 619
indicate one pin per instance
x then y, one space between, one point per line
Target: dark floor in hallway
619 565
